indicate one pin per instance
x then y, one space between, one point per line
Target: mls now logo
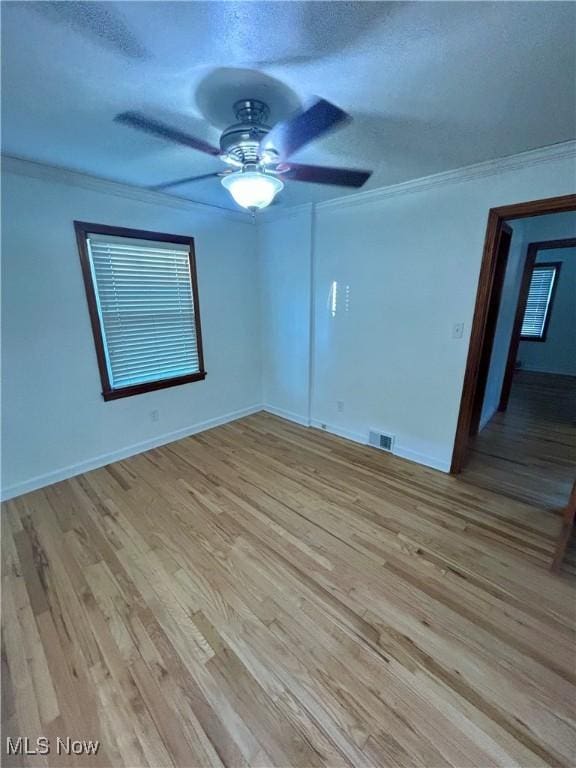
23 745
70 746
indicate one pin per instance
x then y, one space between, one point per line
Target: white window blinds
538 303
146 308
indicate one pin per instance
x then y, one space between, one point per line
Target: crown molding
275 213
548 154
44 172
21 167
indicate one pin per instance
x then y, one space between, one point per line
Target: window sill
151 386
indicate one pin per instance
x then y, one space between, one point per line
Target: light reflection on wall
334 298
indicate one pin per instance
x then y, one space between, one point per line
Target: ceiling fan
258 156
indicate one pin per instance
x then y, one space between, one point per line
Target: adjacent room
522 439
288 335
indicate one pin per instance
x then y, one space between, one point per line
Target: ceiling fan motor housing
241 141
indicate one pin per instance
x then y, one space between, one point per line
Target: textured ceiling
431 85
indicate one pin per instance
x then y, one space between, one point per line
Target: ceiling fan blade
303 127
340 177
188 180
156 128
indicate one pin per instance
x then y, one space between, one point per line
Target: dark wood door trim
496 218
502 250
531 255
569 515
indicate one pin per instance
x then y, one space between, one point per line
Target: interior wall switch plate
457 330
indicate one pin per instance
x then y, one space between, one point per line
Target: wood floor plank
528 452
268 595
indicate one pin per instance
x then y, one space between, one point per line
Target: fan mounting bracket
251 111
240 142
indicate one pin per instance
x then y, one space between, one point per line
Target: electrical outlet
154 415
457 330
340 405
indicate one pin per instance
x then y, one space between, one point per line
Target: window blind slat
162 370
538 301
150 342
133 286
140 378
133 356
120 305
148 335
145 332
146 306
163 249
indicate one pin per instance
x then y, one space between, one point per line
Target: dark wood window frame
541 265
83 229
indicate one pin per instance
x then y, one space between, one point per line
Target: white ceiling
432 85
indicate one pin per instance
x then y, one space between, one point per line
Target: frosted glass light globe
252 189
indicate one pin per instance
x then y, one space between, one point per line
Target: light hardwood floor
529 451
267 595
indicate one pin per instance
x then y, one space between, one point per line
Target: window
143 302
539 302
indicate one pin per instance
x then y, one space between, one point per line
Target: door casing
496 219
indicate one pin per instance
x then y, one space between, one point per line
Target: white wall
411 258
284 247
55 422
555 226
558 353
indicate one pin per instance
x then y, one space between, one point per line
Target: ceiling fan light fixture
252 189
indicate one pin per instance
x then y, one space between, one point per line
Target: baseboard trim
339 432
422 458
289 415
41 481
402 453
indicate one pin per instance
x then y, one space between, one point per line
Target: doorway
521 438
488 298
